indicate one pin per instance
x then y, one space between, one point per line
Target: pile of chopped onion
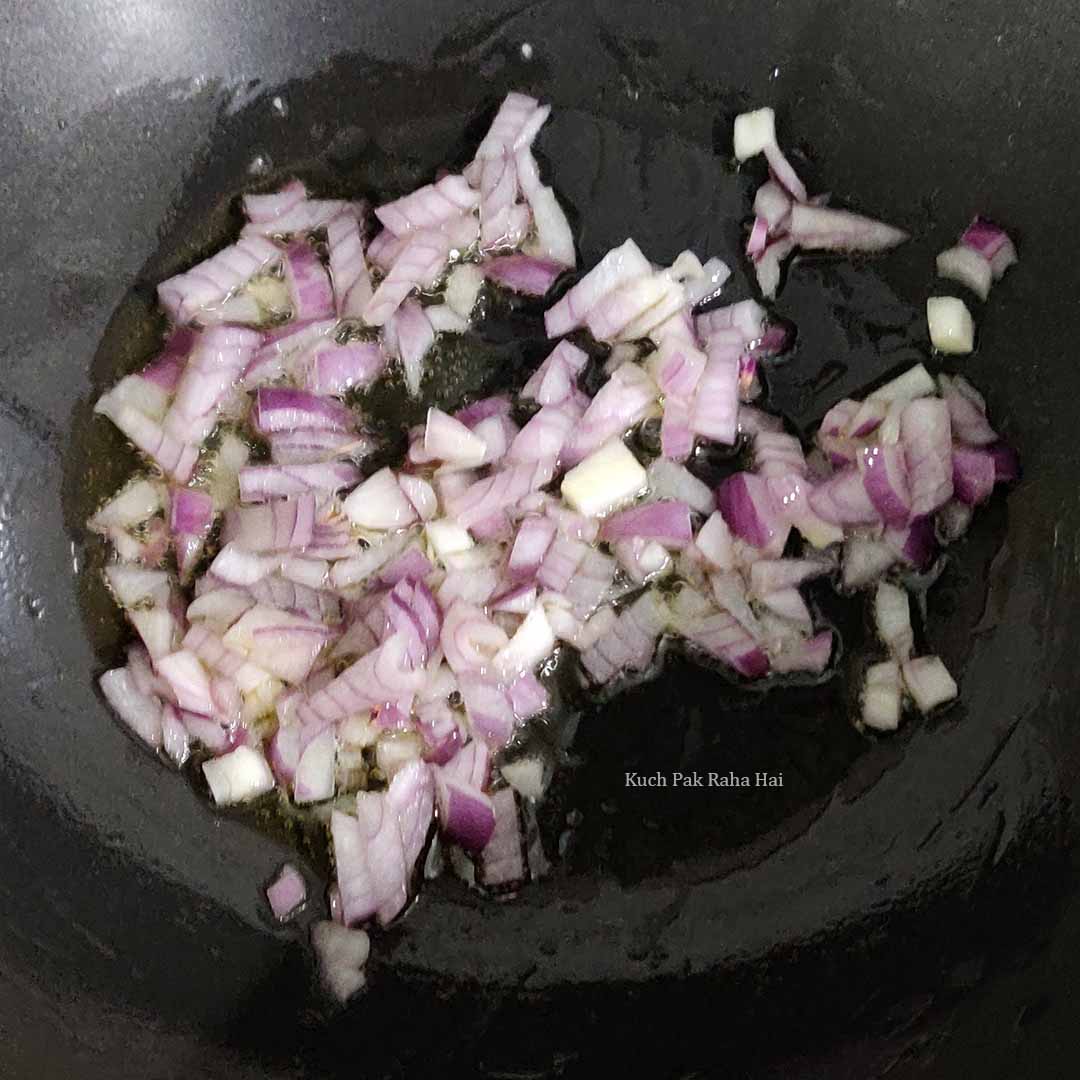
367 644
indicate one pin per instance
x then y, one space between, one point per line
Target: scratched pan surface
905 906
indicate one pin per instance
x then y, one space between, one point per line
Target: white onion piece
533 641
379 503
641 559
470 640
526 775
916 382
553 237
134 587
238 567
714 542
449 440
928 682
964 264
421 494
188 680
463 285
395 750
238 776
174 736
789 604
881 696
865 560
314 780
157 627
822 228
951 327
604 481
447 538
670 480
342 954
754 131
892 618
141 712
135 502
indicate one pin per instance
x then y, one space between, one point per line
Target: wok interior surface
905 905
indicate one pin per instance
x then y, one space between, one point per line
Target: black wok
907 906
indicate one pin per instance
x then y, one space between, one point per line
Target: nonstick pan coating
910 907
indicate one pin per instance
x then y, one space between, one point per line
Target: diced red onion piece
784 172
865 560
261 482
1006 463
421 262
447 439
338 368
421 494
884 475
287 893
750 513
808 654
821 228
348 267
280 409
140 711
184 295
926 436
968 266
314 779
523 273
967 412
915 544
973 474
466 815
667 521
759 236
992 243
379 503
502 862
772 204
843 500
310 291
618 266
429 206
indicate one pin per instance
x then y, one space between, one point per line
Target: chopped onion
618 266
286 410
140 711
449 440
608 478
926 436
287 893
892 618
667 521
379 503
754 131
239 776
523 273
992 243
881 696
818 227
951 327
966 265
928 682
310 291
